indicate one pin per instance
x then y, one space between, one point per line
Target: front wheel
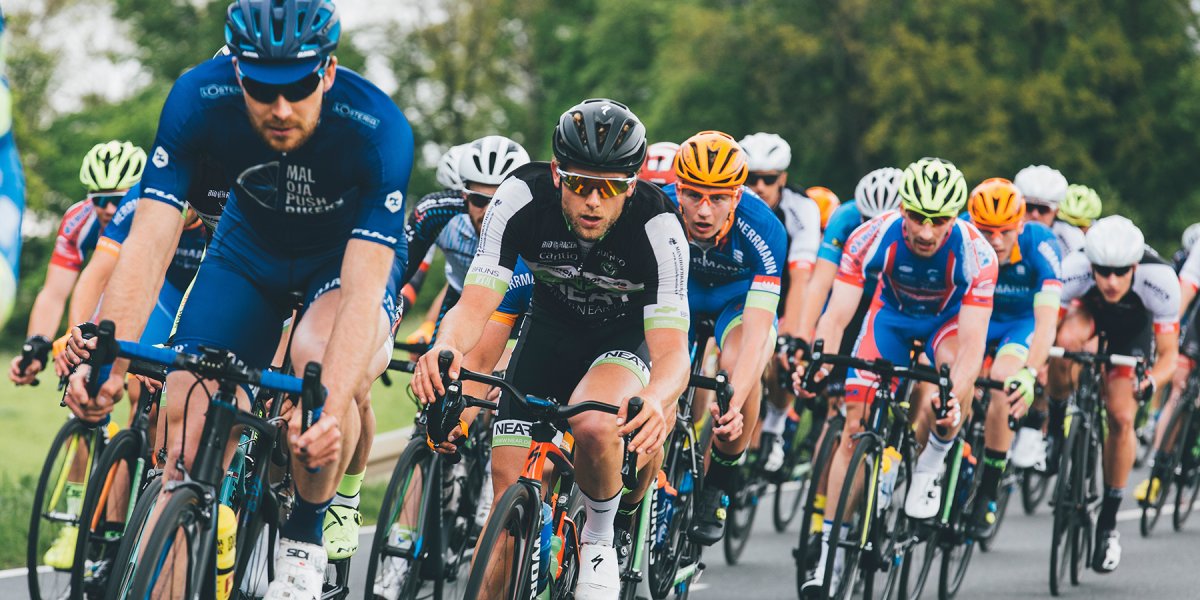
395 558
171 562
743 507
864 464
506 546
112 493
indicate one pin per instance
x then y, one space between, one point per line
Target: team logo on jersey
1048 253
737 255
160 157
345 110
213 91
395 201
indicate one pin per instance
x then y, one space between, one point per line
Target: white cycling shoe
299 571
775 455
1029 449
924 496
599 577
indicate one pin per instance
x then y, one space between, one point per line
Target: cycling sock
598 529
625 514
1034 419
774 419
1107 521
933 455
306 521
722 470
818 517
1058 413
73 492
348 490
994 462
825 532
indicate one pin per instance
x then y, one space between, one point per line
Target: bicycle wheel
171 559
805 553
863 463
395 561
956 557
120 578
112 494
796 470
507 546
57 502
667 548
1034 485
567 575
892 533
1063 502
1186 488
743 507
1165 472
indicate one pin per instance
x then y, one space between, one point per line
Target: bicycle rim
401 519
743 507
121 577
111 496
1185 497
895 530
170 559
862 464
508 542
666 558
820 462
51 516
1059 554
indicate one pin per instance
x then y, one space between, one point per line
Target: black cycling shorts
1126 332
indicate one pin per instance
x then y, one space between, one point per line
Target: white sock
598 529
933 455
347 501
774 419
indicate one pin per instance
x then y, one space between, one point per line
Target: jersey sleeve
497 253
852 267
1047 264
175 159
1076 277
1070 238
981 291
666 304
381 219
1189 273
843 222
1161 294
517 298
769 240
117 230
67 252
426 222
804 232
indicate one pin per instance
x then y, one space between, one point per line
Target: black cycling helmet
285 36
600 134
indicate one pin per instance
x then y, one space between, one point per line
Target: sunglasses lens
1110 271
767 179
292 92
584 186
102 200
479 200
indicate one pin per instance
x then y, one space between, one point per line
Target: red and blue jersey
962 271
77 236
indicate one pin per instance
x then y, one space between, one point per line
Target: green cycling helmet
1080 207
111 166
933 187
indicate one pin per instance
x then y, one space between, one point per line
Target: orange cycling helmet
996 204
711 158
826 200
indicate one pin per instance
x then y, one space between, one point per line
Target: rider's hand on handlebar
798 381
31 370
83 405
427 377
953 416
651 422
321 445
727 427
450 446
1021 386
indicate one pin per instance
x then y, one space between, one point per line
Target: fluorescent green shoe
341 532
61 554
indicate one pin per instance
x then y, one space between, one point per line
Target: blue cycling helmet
281 41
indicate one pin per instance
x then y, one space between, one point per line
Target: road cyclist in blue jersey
1022 328
320 159
936 277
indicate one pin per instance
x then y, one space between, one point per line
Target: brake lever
629 477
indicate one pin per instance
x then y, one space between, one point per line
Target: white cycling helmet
1114 241
1190 236
447 168
488 160
766 152
878 192
1041 185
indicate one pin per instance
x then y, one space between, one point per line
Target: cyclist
659 167
609 312
323 159
451 221
1044 189
1119 287
768 157
1187 242
109 169
1022 327
737 250
878 192
826 200
937 275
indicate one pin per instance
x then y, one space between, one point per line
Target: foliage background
1108 91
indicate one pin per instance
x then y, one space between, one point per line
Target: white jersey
1189 273
1155 285
1070 237
802 220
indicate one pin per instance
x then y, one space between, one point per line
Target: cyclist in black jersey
610 263
1124 290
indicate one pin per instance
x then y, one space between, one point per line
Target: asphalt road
1163 567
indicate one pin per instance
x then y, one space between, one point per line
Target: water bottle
685 485
887 482
789 431
542 549
226 550
663 511
556 544
966 475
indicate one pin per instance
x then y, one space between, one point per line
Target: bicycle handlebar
985 383
1103 359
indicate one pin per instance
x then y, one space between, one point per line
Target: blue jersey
441 218
1033 276
962 271
347 181
188 253
516 299
841 224
746 264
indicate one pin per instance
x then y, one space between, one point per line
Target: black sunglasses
478 200
920 218
1106 272
292 92
1040 209
105 198
753 179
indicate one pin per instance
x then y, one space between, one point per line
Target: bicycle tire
1034 485
124 449
960 547
119 581
743 508
411 458
859 460
517 513
1186 489
184 510
1062 502
895 524
820 462
1151 511
55 582
664 559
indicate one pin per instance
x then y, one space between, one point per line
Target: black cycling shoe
1053 453
1108 551
983 520
710 517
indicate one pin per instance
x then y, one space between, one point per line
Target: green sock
348 489
73 492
